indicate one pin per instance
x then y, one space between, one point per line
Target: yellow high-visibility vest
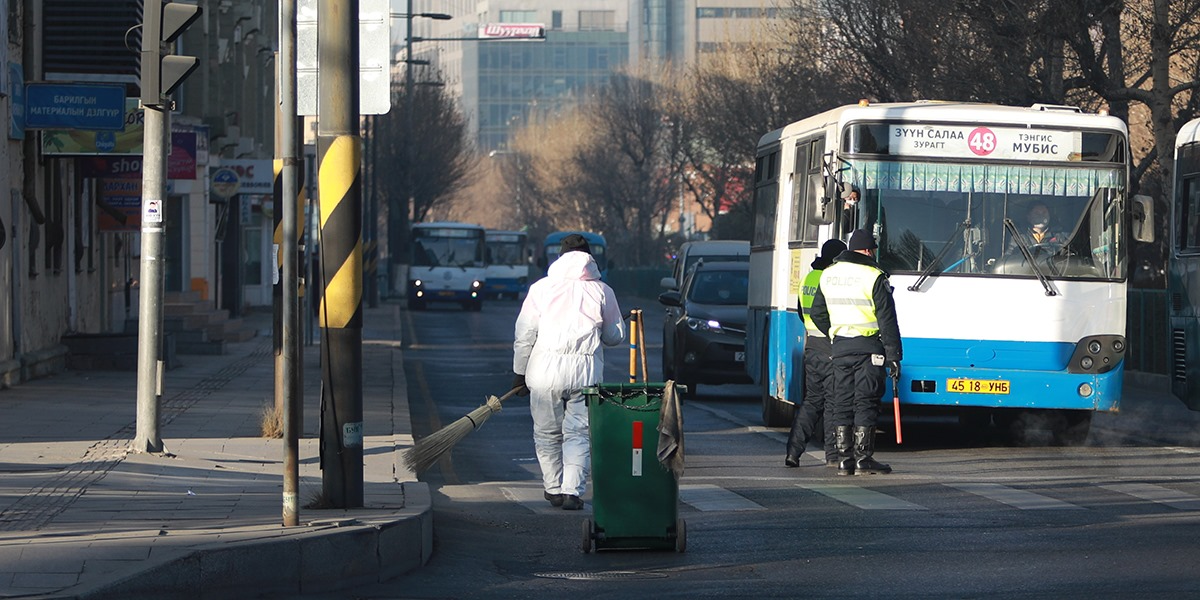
847 288
808 289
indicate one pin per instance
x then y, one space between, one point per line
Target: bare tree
429 164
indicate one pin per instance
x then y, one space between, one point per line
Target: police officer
853 306
818 368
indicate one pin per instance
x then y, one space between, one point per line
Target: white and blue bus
1183 270
448 265
508 262
990 319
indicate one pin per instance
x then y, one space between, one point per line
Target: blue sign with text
90 107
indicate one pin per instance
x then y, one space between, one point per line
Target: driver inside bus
1040 230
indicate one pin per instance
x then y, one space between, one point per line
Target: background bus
595 241
508 259
447 265
988 323
1183 273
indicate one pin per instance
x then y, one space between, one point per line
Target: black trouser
818 394
857 387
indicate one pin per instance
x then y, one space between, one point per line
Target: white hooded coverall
563 321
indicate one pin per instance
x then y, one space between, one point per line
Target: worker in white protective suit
563 321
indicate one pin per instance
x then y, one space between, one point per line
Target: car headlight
703 324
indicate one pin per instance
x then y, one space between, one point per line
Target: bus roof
938 111
1188 134
557 236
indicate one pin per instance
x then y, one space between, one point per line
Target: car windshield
946 219
722 288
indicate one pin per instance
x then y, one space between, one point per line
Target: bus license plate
445 293
977 386
739 357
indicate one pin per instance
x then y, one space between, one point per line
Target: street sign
89 107
512 31
374 60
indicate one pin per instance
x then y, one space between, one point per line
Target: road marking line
1157 494
862 497
707 497
1016 498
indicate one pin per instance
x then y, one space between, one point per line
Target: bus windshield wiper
928 270
1012 230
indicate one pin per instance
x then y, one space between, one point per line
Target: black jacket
887 342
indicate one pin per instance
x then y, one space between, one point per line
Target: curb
367 546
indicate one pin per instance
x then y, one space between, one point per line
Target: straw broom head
430 448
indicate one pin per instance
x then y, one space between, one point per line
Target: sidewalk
81 517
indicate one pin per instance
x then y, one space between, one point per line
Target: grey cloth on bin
670 431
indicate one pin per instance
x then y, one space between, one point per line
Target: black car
706 338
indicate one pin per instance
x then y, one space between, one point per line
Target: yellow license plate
977 386
445 294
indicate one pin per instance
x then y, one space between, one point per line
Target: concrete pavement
82 517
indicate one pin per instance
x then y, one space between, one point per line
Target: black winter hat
574 242
861 239
831 248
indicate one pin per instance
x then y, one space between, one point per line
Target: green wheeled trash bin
635 498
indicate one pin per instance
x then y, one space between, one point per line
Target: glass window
597 20
556 19
765 193
518 16
721 288
961 219
1189 212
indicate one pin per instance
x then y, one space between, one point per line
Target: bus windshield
440 251
505 253
949 219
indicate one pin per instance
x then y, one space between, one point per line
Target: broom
430 448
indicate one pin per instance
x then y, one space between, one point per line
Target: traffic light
162 23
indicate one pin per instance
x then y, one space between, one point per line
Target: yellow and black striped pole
340 198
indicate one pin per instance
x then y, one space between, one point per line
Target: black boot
864 448
795 443
843 441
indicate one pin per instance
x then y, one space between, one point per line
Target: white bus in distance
447 265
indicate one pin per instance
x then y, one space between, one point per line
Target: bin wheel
587 536
680 536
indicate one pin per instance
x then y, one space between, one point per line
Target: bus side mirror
821 192
1143 218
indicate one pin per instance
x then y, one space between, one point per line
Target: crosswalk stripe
1016 498
862 497
707 497
1157 494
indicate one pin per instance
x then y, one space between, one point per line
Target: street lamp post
399 238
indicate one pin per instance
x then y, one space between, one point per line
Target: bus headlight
476 284
418 283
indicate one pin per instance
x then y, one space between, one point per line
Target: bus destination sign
970 141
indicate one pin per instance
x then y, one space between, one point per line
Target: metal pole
293 405
340 198
408 198
150 311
